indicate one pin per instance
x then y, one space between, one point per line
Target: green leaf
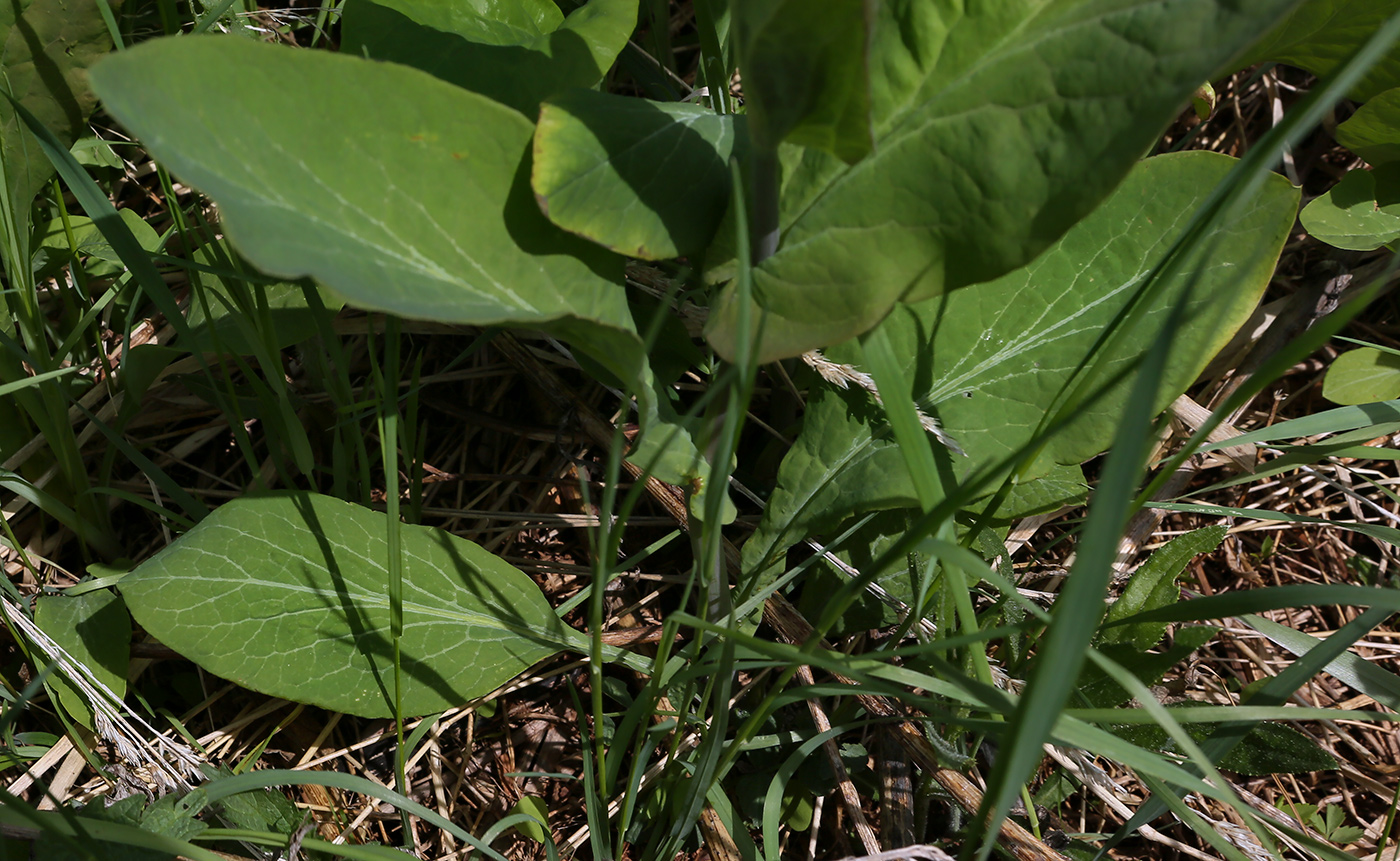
230 310
989 361
48 46
1268 748
1100 690
287 595
95 630
516 53
1373 132
997 127
1362 376
536 828
1360 213
51 249
1319 34
646 179
807 76
1153 585
400 192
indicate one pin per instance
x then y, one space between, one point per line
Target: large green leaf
991 360
47 48
1320 34
807 76
646 179
517 53
399 191
997 127
1360 213
95 630
1373 132
288 595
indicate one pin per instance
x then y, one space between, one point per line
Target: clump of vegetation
686 429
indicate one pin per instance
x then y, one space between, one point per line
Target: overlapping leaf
287 595
1319 34
991 360
516 53
646 179
806 76
399 191
1373 132
997 127
1360 213
46 50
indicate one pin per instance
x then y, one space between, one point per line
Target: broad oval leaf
517 53
1362 376
990 361
1373 132
47 48
1319 34
997 127
646 179
288 595
399 191
95 630
1360 213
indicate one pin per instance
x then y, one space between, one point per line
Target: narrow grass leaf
1079 608
1371 680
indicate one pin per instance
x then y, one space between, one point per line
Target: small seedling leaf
287 595
536 827
1360 213
1153 585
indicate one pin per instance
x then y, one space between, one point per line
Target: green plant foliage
1099 690
806 76
401 193
535 828
1154 585
646 179
1373 132
1326 821
994 133
51 250
290 314
95 630
1319 34
516 53
988 362
47 48
167 817
1360 213
285 595
1268 748
1362 376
